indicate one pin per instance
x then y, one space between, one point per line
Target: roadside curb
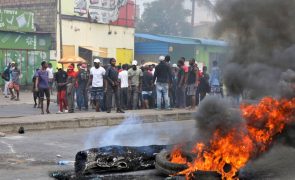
35 123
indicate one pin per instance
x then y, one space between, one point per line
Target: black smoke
216 113
263 39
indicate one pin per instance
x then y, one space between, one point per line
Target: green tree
166 17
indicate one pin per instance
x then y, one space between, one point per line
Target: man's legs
47 93
165 95
85 98
6 89
159 95
134 97
79 98
109 97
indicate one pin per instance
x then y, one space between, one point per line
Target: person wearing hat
72 77
14 81
135 75
82 96
163 76
97 80
61 81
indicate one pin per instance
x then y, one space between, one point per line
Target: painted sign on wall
16 20
102 11
9 40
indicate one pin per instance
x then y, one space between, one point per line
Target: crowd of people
127 87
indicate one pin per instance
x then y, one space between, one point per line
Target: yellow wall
124 56
97 35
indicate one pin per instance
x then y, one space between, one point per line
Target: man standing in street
14 83
123 76
163 76
147 87
51 77
61 82
97 79
72 77
112 86
180 90
135 74
6 77
82 93
192 83
42 85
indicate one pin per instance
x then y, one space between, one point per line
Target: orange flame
177 157
239 145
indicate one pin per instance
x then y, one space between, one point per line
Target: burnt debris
116 159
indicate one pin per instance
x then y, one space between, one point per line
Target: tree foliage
165 17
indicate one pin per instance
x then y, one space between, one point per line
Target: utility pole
193 11
60 28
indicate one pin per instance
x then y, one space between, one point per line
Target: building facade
86 28
27 35
103 29
149 47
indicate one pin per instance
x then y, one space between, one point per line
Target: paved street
33 155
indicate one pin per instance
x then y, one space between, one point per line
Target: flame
236 147
177 157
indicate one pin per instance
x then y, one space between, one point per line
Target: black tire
164 171
162 160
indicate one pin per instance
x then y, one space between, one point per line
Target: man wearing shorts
14 81
97 79
147 87
42 84
192 83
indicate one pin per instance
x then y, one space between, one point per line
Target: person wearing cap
14 83
82 96
71 82
61 77
42 86
163 76
97 80
112 86
134 75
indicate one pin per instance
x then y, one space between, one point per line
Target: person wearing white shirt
123 76
50 77
97 80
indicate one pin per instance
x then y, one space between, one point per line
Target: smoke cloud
133 132
215 113
262 43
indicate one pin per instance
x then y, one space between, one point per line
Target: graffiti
16 20
10 40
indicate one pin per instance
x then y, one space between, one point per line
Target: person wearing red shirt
72 76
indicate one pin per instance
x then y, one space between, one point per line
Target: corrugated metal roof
182 40
167 39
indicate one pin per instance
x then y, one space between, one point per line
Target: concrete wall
45 13
80 33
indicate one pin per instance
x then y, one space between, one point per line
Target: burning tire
165 167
